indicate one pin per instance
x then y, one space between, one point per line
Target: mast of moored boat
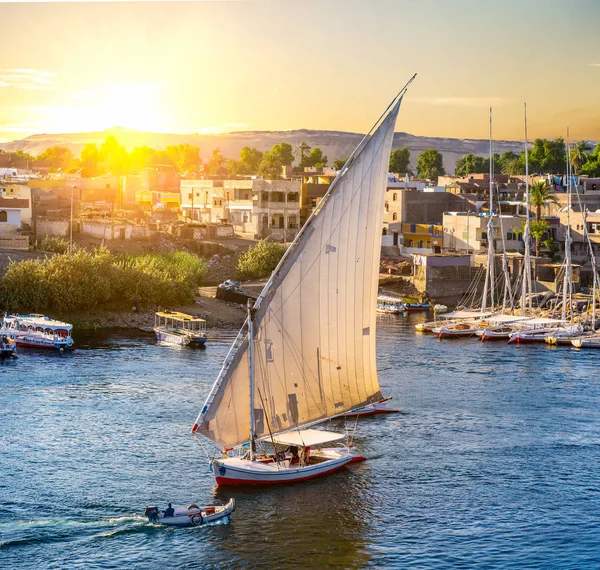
251 375
567 277
526 285
489 275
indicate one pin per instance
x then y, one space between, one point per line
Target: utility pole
71 224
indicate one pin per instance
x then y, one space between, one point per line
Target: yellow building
422 236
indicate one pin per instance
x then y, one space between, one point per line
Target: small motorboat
192 515
418 306
8 347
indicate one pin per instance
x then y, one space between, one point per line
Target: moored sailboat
307 350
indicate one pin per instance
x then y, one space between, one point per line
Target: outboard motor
152 513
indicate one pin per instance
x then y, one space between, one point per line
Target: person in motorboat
169 511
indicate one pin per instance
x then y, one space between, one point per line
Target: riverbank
218 314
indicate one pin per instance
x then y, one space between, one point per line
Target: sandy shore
218 314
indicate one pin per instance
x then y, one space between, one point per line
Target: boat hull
234 471
195 517
418 307
42 343
180 340
371 410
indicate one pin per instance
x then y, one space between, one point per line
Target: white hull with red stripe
240 471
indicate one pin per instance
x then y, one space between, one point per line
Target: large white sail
314 325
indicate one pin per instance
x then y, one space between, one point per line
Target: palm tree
301 150
540 195
579 155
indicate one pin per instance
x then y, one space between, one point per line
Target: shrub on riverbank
87 280
54 244
259 261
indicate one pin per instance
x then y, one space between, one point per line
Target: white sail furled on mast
314 323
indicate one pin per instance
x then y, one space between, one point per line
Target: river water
492 462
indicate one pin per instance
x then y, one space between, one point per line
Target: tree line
546 157
112 158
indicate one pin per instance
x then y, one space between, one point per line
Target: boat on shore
565 335
38 331
390 305
454 317
192 515
500 327
535 330
180 328
591 341
456 330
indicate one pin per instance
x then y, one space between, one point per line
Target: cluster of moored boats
512 328
33 331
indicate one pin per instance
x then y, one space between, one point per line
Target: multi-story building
467 232
15 211
422 238
255 208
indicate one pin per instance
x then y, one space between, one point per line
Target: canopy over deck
179 316
306 437
501 319
466 315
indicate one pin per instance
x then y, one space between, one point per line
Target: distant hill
335 144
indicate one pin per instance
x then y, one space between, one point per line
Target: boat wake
17 534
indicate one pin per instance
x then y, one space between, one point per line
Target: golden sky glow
277 65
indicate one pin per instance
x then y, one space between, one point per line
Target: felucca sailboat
307 350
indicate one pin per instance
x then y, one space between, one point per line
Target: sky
219 66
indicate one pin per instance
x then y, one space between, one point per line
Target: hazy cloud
463 101
594 64
28 79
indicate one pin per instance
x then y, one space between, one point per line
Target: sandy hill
335 144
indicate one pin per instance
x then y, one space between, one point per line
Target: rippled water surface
493 462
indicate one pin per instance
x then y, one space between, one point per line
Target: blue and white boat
38 331
179 328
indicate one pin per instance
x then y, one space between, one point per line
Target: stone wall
444 283
45 227
14 242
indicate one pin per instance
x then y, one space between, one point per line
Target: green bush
259 261
87 279
54 244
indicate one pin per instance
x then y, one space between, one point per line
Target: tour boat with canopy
390 305
179 328
307 350
39 331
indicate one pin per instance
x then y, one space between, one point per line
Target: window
428 244
510 236
246 218
483 235
384 232
387 207
292 225
190 196
394 216
395 197
410 243
3 216
421 243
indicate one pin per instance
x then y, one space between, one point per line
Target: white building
255 208
467 232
